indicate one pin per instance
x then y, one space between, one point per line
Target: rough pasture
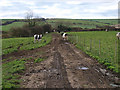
15 44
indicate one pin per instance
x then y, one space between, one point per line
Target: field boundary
95 49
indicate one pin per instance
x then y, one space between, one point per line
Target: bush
63 28
37 30
47 28
27 31
5 36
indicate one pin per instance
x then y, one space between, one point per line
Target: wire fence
102 50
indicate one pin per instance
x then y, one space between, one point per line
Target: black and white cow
106 30
46 32
64 36
118 35
37 37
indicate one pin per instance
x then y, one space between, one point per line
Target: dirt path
65 67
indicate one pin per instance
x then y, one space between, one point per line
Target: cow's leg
34 40
117 37
66 38
40 39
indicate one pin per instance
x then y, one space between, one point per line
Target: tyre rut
57 78
61 69
79 78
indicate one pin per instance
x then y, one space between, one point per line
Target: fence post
90 44
73 39
77 38
80 40
115 57
94 47
84 43
118 56
99 47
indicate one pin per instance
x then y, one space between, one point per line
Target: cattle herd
64 35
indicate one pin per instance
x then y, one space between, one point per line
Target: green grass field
12 44
10 70
5 20
100 45
9 26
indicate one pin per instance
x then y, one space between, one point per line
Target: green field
9 26
100 45
6 20
83 23
11 70
12 44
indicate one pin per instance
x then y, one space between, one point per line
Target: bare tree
30 19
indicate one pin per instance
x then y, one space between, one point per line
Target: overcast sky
73 9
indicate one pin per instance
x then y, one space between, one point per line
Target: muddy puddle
82 68
66 43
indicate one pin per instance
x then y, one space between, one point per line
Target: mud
64 67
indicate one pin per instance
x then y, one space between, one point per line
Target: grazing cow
53 30
106 30
37 37
118 35
46 32
40 37
64 36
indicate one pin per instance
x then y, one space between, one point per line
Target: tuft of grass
29 58
38 60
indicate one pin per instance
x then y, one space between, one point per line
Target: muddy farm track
64 67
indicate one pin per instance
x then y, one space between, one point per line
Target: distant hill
72 23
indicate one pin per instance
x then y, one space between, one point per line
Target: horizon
68 9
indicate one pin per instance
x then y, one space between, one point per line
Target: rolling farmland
83 23
55 63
